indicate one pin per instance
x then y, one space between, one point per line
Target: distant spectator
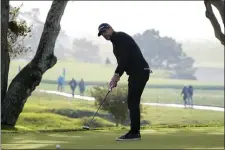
184 92
73 85
190 95
82 87
60 83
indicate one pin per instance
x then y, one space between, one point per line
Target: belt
148 69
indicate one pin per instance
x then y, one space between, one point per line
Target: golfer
131 61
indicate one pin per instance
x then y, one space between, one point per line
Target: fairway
78 70
201 138
101 73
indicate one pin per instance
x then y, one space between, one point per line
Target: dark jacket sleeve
122 54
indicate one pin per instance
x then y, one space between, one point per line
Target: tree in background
219 5
165 53
85 51
25 82
62 46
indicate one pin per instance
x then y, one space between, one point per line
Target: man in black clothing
131 61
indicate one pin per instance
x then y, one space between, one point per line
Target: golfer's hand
114 80
112 85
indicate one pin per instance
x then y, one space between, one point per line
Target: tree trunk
30 76
5 60
219 4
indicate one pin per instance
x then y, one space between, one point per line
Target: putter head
86 127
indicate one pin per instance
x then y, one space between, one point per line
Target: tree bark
5 60
30 76
219 4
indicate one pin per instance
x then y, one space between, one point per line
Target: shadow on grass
8 128
78 113
86 113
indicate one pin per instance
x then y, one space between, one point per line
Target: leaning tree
219 5
25 82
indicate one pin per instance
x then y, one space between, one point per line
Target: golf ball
57 146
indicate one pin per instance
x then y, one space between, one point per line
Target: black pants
136 85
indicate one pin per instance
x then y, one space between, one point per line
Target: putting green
186 138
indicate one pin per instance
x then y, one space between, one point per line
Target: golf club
88 127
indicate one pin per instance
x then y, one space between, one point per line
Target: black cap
102 27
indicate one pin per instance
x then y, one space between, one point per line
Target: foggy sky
182 20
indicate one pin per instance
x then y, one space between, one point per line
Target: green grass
38 113
172 128
188 138
101 73
201 97
47 112
88 71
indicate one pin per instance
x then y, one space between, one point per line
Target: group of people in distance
73 84
187 93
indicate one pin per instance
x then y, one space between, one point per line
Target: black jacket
128 55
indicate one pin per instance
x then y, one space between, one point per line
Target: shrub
115 103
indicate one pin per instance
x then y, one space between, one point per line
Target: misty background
180 41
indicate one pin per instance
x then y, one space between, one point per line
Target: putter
88 127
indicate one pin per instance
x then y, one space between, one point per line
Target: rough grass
180 116
201 97
49 121
188 138
45 111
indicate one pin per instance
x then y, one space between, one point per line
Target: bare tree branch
219 4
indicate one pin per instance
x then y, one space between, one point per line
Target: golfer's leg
135 90
133 106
